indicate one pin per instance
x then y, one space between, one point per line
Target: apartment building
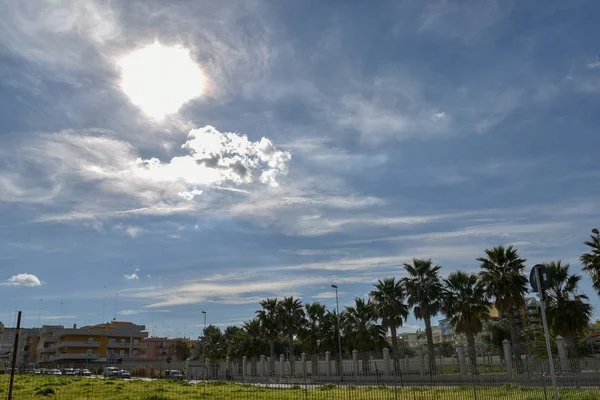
103 343
27 341
161 348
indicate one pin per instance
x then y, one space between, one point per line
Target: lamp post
337 303
204 335
204 312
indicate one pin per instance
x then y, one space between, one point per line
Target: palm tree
424 289
466 304
591 260
269 322
389 306
503 275
360 326
291 317
311 332
568 308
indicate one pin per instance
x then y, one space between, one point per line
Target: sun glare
160 79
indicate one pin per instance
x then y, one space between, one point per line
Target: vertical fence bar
14 357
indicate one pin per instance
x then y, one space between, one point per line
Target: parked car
111 372
124 374
76 371
55 372
37 371
85 372
68 372
173 374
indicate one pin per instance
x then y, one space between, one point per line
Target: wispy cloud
134 275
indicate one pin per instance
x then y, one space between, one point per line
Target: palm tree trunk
430 349
272 356
514 334
472 353
394 339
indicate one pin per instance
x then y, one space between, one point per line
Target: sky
163 158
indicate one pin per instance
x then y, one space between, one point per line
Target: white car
111 371
55 372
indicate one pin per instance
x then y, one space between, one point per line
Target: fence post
244 359
386 361
507 357
207 367
328 363
561 343
355 362
421 355
262 365
281 364
460 352
303 365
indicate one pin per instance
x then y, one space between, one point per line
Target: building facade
103 343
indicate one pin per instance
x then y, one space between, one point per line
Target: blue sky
331 142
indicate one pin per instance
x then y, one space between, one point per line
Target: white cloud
326 295
128 312
133 276
57 317
594 65
131 231
23 280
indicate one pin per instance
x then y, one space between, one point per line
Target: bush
45 391
328 386
296 387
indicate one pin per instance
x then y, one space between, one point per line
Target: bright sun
160 79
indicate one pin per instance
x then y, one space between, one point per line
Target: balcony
50 349
48 339
74 356
73 343
126 345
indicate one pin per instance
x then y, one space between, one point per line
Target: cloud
119 175
23 280
594 65
133 276
326 295
131 231
128 312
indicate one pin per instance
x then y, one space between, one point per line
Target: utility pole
337 303
14 357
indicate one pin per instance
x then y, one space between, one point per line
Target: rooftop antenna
40 313
104 306
116 305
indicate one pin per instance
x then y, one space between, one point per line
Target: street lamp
337 303
204 312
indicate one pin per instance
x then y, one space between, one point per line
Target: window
89 352
111 341
122 340
90 340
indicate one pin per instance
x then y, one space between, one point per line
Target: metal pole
337 303
545 322
14 358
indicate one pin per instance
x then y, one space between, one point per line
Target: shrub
328 386
156 397
296 387
45 391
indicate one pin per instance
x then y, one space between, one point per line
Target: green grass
67 388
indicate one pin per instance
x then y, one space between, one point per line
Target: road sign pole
545 322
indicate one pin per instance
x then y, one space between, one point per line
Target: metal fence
370 375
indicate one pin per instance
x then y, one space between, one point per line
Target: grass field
49 387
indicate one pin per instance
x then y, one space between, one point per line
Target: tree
312 331
591 260
568 308
291 317
503 275
182 350
495 332
214 343
466 304
360 326
269 323
424 289
389 306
